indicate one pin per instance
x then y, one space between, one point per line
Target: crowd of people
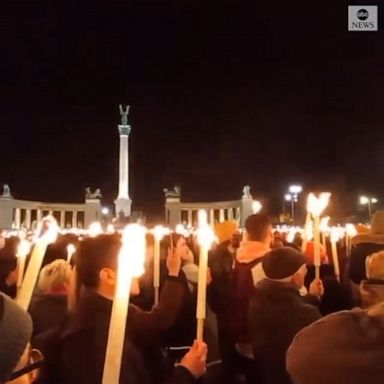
269 320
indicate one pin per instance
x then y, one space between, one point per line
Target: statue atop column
174 193
124 114
6 191
92 195
247 192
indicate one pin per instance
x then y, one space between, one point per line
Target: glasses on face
35 362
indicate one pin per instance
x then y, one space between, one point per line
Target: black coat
183 330
75 351
277 313
47 311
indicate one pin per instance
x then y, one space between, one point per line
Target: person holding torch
76 351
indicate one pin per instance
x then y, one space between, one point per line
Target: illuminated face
183 249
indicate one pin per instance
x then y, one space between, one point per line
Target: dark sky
222 93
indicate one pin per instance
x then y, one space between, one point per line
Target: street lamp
105 211
293 197
256 206
364 200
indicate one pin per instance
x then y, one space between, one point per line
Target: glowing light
291 235
23 248
48 234
288 197
336 234
95 229
364 200
316 205
71 249
324 224
181 230
132 254
105 211
130 264
350 230
295 189
205 234
256 206
159 232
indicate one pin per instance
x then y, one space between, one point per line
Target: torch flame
316 205
132 253
324 224
159 232
256 206
181 230
205 234
350 230
23 248
95 229
336 234
71 249
48 229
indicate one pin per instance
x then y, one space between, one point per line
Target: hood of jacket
250 251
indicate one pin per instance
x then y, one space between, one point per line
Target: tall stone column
39 215
62 219
190 223
222 217
212 217
74 219
28 218
123 201
17 218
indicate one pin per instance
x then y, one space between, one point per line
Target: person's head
175 240
372 289
285 265
225 230
55 277
15 351
259 228
96 264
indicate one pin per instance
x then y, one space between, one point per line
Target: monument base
123 207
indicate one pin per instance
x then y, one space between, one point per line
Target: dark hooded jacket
277 313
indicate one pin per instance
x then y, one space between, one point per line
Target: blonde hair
55 276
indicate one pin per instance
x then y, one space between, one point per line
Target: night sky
222 94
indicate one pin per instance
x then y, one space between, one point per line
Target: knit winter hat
377 223
225 230
282 262
15 333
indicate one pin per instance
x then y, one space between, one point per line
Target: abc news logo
362 18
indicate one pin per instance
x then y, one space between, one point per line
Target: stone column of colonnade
17 218
74 219
27 220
